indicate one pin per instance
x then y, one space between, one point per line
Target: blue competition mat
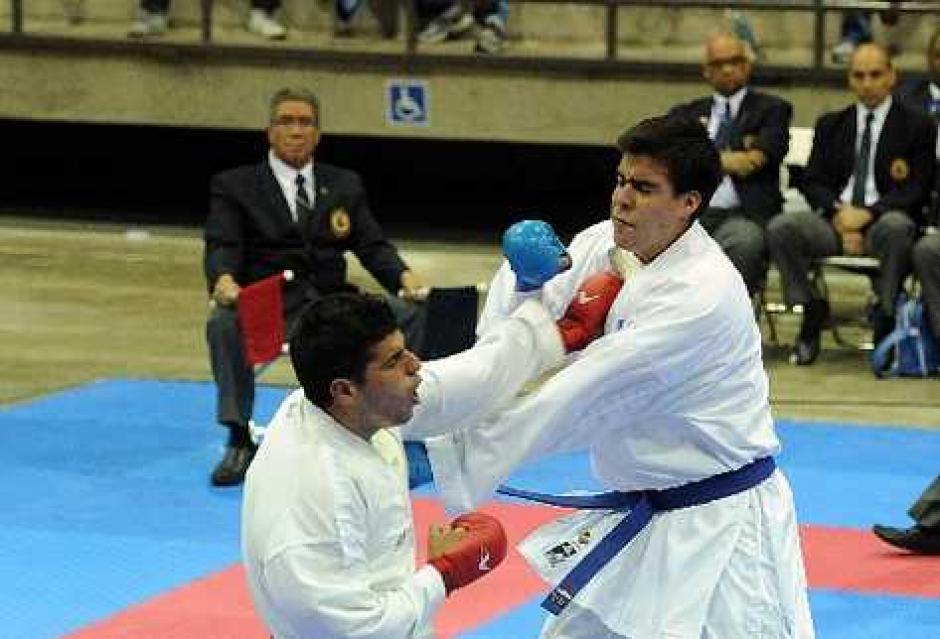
107 503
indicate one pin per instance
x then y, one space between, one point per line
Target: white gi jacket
327 534
673 392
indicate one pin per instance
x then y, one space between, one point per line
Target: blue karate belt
641 505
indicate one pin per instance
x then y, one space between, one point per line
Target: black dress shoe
916 539
231 470
806 348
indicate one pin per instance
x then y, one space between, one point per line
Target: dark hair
289 94
682 146
334 339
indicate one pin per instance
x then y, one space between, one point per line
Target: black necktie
303 200
861 164
723 135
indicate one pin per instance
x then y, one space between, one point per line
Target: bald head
727 66
871 74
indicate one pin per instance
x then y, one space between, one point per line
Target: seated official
868 177
924 95
751 130
286 212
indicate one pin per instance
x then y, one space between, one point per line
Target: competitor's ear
342 391
692 200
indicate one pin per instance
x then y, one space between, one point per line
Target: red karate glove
479 551
584 319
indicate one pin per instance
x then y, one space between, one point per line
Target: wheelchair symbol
407 108
408 103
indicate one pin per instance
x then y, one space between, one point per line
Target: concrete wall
148 85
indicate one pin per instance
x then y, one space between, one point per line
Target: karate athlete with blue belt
697 538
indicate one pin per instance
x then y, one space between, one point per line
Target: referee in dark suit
751 130
868 177
285 212
924 95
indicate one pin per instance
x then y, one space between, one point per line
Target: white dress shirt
861 114
286 177
726 196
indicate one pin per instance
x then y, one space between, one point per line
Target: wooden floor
90 301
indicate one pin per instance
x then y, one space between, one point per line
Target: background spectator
487 22
751 130
153 19
867 180
924 95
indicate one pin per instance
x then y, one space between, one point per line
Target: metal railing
413 59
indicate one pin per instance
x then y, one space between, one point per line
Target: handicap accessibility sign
407 103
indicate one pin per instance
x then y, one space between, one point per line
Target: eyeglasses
286 121
734 61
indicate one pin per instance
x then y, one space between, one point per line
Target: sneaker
261 23
149 24
491 37
842 52
385 12
453 23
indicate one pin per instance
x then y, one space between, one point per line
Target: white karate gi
327 535
673 392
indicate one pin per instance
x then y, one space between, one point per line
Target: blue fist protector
535 253
419 466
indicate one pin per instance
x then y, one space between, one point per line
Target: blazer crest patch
900 169
340 224
748 141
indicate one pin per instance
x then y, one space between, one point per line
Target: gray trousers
926 510
235 378
743 241
927 269
796 238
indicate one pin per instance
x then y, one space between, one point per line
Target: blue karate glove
535 253
419 466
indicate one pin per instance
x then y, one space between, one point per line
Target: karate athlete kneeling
327 535
697 538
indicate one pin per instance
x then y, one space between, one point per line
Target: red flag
262 321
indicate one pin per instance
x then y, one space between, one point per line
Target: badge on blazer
900 169
704 121
340 224
748 141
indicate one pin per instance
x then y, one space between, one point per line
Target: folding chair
450 320
857 265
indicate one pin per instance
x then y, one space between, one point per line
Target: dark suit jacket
904 160
250 233
762 122
916 94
